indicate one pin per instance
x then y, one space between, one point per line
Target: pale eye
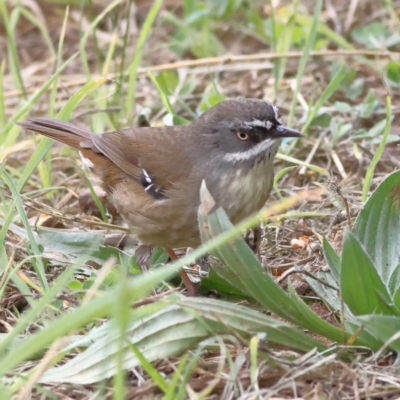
242 136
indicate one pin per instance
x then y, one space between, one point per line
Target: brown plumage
153 174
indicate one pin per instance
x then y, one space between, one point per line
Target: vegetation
315 314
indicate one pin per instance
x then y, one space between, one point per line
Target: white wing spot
147 178
86 162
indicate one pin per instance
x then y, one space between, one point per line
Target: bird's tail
64 132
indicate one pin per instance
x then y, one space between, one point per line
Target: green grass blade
132 69
89 31
121 317
76 98
379 151
163 95
65 114
37 262
151 371
282 43
46 143
328 92
59 63
313 167
304 20
174 390
89 185
42 28
19 283
9 24
304 58
23 109
2 103
23 322
43 167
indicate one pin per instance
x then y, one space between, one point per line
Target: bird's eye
242 136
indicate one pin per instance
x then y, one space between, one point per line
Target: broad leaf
383 327
63 246
243 270
163 330
361 286
332 258
378 226
326 293
394 286
394 280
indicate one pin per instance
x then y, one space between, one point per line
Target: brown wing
158 151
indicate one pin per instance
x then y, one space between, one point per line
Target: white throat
267 147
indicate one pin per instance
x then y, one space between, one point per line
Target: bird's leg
143 258
191 288
253 239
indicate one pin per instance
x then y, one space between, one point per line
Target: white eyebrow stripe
276 112
256 122
255 151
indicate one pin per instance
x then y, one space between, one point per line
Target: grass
103 66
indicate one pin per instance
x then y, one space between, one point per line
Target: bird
153 174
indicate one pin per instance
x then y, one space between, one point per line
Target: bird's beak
282 131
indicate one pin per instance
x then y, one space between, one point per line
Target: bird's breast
245 190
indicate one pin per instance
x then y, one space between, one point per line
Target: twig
311 154
309 274
76 80
338 164
48 211
346 204
350 15
154 298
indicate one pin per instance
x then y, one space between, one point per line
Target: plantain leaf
326 293
224 289
362 288
377 226
165 329
394 280
394 286
332 277
242 269
383 327
63 246
97 307
332 258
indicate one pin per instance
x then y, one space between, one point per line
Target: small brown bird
153 174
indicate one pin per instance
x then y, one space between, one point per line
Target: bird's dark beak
282 131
